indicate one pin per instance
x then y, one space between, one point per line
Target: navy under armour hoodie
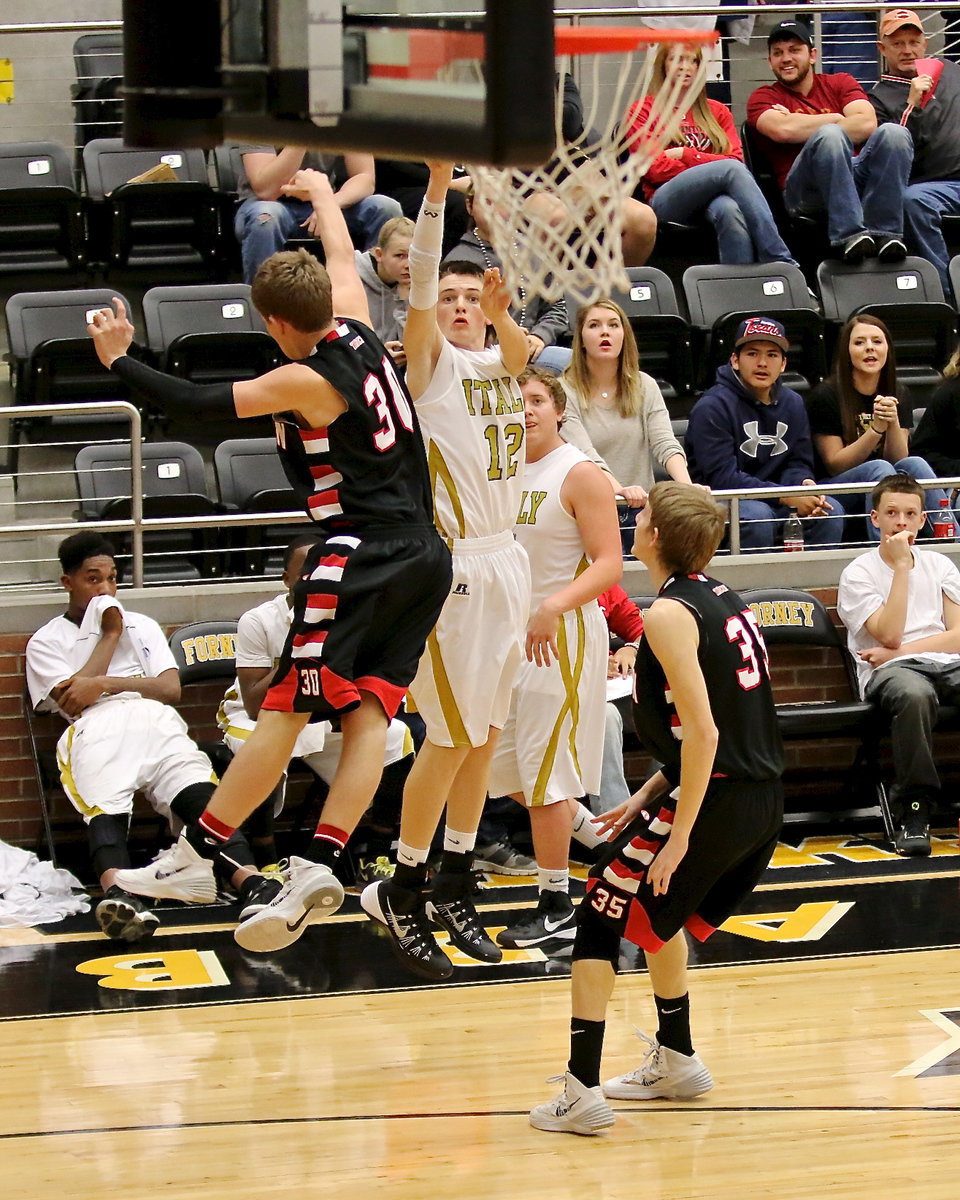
734 441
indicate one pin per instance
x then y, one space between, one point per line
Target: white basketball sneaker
177 873
664 1074
578 1109
310 892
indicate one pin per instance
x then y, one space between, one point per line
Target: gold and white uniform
552 745
471 417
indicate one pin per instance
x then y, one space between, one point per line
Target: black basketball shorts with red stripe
362 610
730 847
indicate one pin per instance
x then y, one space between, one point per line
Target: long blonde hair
629 383
700 108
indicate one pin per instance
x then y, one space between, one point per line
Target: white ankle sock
557 880
411 856
458 842
583 830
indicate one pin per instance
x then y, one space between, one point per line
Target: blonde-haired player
550 751
471 416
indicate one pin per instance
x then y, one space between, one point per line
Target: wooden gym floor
828 1013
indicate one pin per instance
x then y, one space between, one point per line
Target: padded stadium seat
207 333
97 106
720 296
151 225
663 336
908 298
206 652
41 212
251 479
52 360
174 485
790 618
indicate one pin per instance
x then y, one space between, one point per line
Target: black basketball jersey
733 659
367 468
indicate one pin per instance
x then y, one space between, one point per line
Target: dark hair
74 551
460 266
294 286
900 482
848 397
302 539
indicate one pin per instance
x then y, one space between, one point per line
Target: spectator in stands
625 627
820 135
615 412
385 274
749 431
261 634
927 105
901 608
702 174
543 322
273 208
937 436
111 675
860 419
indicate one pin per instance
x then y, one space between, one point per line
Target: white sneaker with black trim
310 892
578 1109
664 1074
177 873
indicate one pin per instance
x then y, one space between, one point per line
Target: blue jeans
728 196
862 192
762 522
875 469
262 226
554 359
924 204
850 44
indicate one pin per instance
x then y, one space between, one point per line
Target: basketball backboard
467 80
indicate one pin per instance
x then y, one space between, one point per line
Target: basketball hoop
557 229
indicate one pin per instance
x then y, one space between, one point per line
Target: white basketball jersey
545 529
471 417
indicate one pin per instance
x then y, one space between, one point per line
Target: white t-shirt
51 657
864 586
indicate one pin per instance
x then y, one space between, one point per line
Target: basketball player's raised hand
494 297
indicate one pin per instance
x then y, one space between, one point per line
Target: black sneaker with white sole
410 933
123 917
450 906
913 837
258 893
550 927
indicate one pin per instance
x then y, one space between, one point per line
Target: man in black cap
809 127
749 431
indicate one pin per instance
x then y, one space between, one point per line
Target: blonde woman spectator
615 412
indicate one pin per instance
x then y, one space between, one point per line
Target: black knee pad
594 937
189 803
107 838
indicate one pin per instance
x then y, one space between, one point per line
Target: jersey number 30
373 392
744 632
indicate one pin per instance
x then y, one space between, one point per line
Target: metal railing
136 525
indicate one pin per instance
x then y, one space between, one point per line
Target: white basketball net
557 229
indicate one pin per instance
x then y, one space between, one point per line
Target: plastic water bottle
943 526
793 533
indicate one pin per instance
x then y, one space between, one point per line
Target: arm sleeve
424 257
177 398
550 320
661 440
623 616
858 597
46 667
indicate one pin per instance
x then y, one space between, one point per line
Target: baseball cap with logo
896 18
791 29
761 329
